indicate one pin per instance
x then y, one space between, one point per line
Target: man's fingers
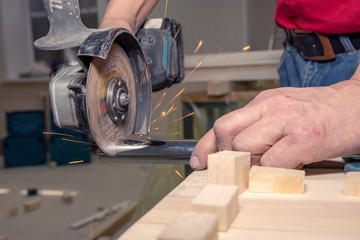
258 138
229 125
205 146
285 154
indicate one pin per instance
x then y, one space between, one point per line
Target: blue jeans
295 71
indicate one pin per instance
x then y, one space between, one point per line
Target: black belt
319 47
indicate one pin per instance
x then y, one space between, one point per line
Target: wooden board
190 225
322 212
234 66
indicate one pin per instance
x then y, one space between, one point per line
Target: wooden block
67 198
219 88
190 225
276 180
219 199
52 164
229 168
352 184
13 211
32 205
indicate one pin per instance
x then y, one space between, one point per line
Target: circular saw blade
109 134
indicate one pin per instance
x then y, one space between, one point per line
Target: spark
199 45
175 36
53 133
188 115
246 48
195 68
172 108
160 101
164 114
77 130
70 140
175 133
177 95
155 128
147 73
74 162
179 174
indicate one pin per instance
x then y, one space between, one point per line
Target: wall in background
224 26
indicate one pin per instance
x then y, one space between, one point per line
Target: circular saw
118 90
111 99
108 89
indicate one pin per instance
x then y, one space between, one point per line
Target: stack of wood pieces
216 206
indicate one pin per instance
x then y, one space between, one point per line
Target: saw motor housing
157 50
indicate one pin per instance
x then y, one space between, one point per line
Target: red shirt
325 16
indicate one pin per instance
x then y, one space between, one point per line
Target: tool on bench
352 163
109 88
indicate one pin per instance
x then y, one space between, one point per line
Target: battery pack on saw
162 43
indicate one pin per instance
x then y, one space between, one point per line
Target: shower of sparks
162 32
160 101
70 140
53 133
195 68
199 45
246 48
74 162
175 36
188 115
164 114
179 174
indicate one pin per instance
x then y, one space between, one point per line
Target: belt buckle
325 43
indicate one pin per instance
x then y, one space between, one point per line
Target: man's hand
129 14
288 127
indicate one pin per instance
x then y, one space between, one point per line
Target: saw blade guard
118 89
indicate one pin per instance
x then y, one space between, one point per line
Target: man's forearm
129 14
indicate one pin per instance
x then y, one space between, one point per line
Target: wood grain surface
322 212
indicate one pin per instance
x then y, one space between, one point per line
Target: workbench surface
322 212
